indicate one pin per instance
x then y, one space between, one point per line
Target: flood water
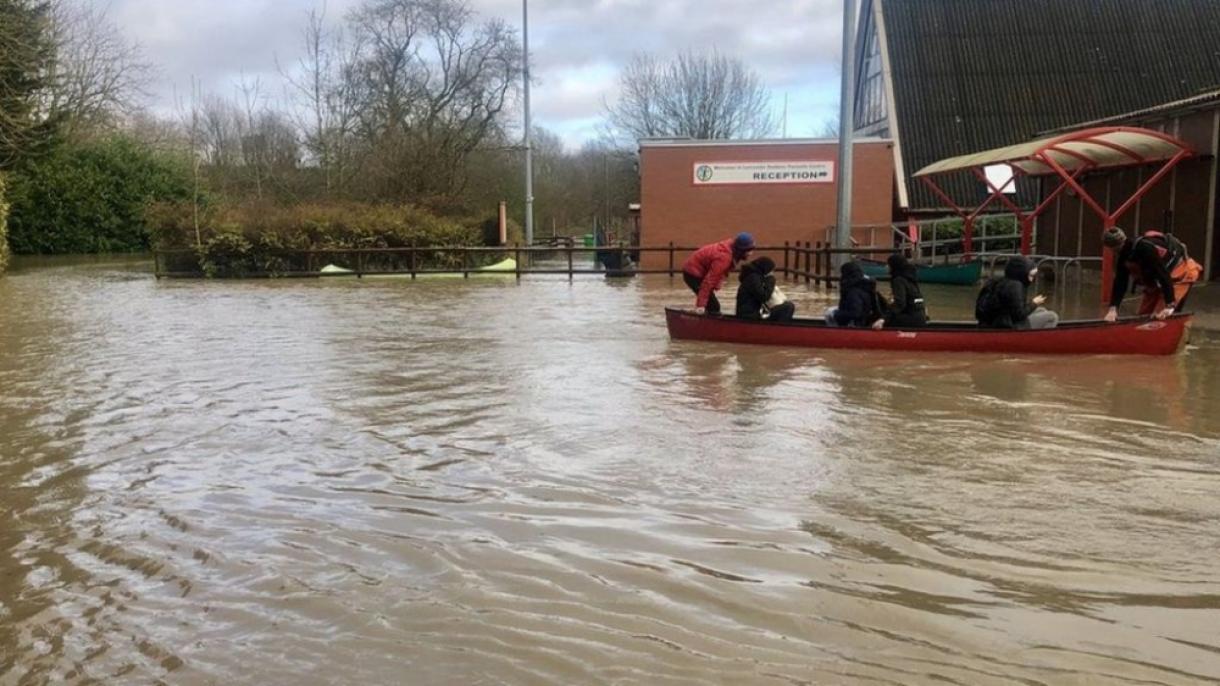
486 482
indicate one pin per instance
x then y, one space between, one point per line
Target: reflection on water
493 482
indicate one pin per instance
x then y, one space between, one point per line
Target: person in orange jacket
1158 262
706 269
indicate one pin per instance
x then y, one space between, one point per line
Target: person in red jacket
1158 262
706 269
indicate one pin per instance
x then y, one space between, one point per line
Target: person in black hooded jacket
859 304
755 291
907 309
1003 304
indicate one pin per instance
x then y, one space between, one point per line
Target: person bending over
705 270
1156 261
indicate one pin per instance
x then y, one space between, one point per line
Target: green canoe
961 274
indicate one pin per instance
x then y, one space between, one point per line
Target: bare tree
252 142
324 84
432 83
97 77
696 95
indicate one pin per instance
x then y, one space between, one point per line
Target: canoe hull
1127 337
963 274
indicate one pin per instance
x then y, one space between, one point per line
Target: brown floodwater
486 482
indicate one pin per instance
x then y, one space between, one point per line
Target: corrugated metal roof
972 75
733 143
1206 99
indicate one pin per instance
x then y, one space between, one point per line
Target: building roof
1208 99
970 75
731 143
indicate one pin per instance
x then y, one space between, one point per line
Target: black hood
852 273
1018 269
761 266
901 266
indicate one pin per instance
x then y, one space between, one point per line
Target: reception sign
782 172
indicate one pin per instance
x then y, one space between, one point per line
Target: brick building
694 192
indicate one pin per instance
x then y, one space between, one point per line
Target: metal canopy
1068 156
1097 148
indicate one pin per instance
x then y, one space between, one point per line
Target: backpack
987 306
1172 252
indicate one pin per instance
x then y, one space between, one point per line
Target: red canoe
1128 336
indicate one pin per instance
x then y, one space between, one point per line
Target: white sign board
1000 176
785 171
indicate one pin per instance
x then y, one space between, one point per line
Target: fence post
517 258
808 264
817 263
571 266
828 263
787 275
413 265
360 265
465 263
671 260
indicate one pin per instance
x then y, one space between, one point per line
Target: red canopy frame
1068 156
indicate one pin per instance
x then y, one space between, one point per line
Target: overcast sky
578 47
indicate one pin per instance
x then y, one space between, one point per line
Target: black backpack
988 303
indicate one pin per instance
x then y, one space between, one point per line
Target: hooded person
1158 262
757 294
859 302
907 308
1003 302
705 270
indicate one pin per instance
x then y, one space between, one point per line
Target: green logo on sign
703 173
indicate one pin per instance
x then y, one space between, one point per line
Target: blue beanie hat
743 242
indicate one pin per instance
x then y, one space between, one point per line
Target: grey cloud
794 45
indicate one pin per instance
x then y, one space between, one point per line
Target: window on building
871 107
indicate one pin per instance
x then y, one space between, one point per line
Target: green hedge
3 228
91 197
263 239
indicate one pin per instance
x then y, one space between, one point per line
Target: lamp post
846 128
529 151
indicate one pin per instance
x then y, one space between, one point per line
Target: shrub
91 197
257 238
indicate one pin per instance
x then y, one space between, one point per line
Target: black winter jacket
754 291
859 304
907 309
1008 308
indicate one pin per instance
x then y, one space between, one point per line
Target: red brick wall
674 209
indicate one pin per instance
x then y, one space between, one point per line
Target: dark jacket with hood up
859 304
757 286
1002 303
907 309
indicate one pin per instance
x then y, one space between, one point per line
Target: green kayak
961 274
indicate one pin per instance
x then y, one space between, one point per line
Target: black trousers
783 312
695 283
